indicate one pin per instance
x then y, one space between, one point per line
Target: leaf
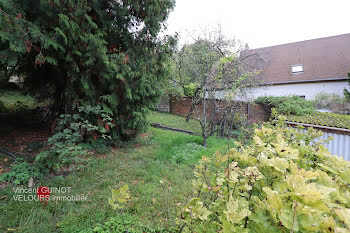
120 195
328 224
344 215
311 222
197 210
345 175
273 199
286 218
236 210
258 141
113 204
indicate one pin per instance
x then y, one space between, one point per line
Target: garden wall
182 105
256 113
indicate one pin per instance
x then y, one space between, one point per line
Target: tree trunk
223 126
189 114
204 114
205 141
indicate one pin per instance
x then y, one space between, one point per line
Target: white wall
309 90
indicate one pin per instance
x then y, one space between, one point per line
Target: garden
81 149
165 181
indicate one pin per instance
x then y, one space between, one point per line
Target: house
306 68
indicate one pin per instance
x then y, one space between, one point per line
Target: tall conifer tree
104 52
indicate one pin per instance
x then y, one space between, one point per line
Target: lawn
18 110
154 156
14 100
174 121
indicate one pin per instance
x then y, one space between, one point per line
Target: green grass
174 121
18 110
14 101
141 165
172 144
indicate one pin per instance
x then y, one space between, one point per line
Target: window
297 69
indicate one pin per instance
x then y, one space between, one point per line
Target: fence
340 145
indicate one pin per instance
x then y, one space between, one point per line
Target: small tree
190 65
216 73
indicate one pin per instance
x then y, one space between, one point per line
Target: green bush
127 223
286 105
15 101
332 102
111 53
20 172
285 181
74 134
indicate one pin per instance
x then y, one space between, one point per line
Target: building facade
306 68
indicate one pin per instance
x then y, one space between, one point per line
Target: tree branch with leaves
216 73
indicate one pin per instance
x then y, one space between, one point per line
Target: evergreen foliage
105 53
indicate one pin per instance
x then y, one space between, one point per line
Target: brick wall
182 105
256 113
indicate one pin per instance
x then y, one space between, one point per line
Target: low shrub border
283 182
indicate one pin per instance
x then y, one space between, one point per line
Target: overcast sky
262 23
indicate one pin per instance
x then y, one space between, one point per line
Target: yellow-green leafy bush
283 182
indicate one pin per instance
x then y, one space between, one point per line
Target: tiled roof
322 59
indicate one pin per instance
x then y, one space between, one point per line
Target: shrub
286 105
59 155
20 172
285 181
332 102
15 101
71 131
127 223
75 134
